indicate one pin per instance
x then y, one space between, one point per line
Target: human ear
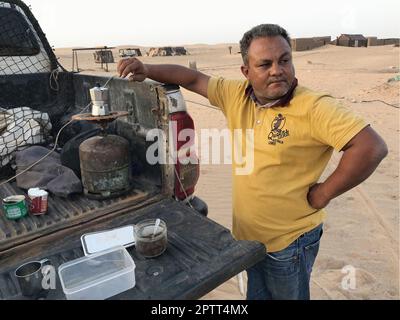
245 71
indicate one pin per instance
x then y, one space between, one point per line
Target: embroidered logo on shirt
278 133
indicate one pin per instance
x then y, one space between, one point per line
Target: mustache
276 80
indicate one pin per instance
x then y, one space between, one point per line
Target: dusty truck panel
201 254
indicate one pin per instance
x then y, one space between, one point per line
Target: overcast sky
173 22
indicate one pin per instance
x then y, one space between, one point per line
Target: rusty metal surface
100 120
97 119
104 164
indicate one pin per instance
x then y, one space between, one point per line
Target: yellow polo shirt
292 146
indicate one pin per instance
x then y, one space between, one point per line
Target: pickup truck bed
62 213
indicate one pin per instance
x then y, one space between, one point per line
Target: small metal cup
30 276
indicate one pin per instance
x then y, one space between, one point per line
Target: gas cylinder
104 162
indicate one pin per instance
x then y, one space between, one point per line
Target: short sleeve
223 93
334 124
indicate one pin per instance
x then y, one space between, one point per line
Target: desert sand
362 229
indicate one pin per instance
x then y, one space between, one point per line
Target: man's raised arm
166 73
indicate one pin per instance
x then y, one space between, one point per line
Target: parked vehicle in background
130 52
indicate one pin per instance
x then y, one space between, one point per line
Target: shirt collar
281 102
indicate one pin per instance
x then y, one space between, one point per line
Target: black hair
260 31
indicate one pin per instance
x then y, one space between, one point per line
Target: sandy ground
362 230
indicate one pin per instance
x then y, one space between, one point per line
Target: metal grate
21 51
19 128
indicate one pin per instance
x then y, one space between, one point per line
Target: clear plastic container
98 276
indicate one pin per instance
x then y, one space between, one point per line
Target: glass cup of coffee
151 239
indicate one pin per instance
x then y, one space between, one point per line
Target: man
280 202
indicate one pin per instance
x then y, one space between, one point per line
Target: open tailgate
201 255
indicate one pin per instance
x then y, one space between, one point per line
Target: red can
38 201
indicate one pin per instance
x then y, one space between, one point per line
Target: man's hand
317 198
136 70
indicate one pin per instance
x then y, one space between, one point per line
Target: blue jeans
285 275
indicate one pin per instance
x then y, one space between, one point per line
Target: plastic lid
36 192
99 241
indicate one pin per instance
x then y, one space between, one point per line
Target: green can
15 207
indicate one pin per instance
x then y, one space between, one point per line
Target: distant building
352 40
372 41
395 41
302 44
